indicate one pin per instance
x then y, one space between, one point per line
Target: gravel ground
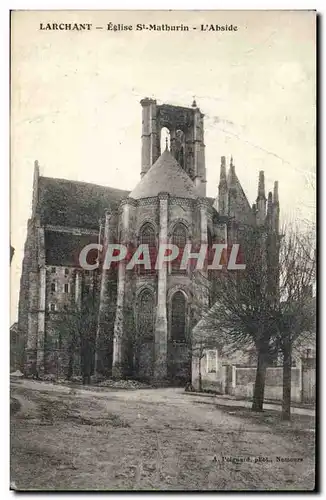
152 439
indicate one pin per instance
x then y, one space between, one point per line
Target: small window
66 271
52 307
65 307
53 287
211 359
66 287
87 272
53 270
87 289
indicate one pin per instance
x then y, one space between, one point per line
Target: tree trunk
287 368
258 398
70 361
200 383
70 366
86 361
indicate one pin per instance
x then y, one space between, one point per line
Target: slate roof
166 175
75 204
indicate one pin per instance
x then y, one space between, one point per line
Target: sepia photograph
163 250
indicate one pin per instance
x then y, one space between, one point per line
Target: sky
75 101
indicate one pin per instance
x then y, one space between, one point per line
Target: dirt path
153 439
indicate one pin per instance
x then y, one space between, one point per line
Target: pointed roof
165 176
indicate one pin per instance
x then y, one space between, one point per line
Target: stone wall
245 380
239 381
308 367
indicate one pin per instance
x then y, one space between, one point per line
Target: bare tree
265 305
241 315
77 332
295 312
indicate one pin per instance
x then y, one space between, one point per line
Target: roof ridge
83 183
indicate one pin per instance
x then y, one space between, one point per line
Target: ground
65 438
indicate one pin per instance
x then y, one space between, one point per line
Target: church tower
186 129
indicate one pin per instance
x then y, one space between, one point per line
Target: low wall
239 380
308 367
245 380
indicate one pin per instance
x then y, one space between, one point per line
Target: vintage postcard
163 250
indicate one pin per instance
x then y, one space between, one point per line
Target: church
143 317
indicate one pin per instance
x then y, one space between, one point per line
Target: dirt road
153 439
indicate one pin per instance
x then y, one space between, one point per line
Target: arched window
209 238
145 315
179 238
165 139
178 317
180 158
147 237
210 252
180 147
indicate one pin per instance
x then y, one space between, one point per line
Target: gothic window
179 148
211 272
66 287
145 316
178 317
147 237
165 139
210 253
179 238
180 158
53 287
209 238
147 234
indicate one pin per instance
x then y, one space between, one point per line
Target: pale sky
75 101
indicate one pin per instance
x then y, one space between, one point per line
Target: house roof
166 175
75 204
